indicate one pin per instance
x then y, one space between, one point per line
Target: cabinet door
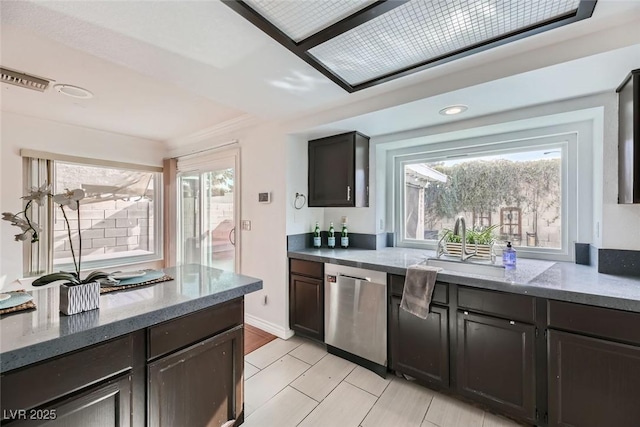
420 347
106 405
331 171
593 382
306 306
199 386
495 363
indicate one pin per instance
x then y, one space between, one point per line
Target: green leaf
48 278
95 275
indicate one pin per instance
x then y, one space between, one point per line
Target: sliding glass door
207 215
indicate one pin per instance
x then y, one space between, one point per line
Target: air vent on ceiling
27 81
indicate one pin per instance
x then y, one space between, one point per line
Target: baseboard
272 328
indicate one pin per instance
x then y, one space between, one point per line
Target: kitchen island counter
36 335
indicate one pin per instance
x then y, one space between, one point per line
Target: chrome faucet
464 255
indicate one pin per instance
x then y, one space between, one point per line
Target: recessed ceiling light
453 109
73 91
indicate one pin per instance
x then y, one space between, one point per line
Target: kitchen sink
467 267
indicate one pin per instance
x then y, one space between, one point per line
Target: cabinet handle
348 192
511 322
466 313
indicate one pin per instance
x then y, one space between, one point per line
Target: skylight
360 43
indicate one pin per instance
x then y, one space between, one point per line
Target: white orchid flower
16 220
38 194
69 198
21 237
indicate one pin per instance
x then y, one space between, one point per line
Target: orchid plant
70 199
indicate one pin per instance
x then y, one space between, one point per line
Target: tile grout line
374 403
319 403
366 391
280 391
279 358
424 417
294 387
252 365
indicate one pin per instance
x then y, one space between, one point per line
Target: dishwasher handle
366 279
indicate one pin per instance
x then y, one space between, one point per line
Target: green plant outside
479 237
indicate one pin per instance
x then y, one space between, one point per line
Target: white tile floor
297 383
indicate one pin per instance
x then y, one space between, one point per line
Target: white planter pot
455 249
78 298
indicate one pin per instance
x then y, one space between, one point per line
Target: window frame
566 142
39 257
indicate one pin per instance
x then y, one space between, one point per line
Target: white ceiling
167 69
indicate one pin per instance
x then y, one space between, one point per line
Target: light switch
246 225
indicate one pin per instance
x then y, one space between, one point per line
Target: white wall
19 132
299 220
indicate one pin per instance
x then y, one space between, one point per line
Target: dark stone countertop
547 279
36 335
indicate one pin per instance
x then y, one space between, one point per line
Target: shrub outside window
518 191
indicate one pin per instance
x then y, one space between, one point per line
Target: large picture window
119 220
118 216
517 190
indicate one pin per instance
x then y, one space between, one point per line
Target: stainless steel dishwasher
355 315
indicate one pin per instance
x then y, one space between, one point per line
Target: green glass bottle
344 237
316 237
331 241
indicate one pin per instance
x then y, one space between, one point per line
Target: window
516 188
119 219
481 219
510 227
118 216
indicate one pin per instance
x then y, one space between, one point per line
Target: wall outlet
344 219
246 225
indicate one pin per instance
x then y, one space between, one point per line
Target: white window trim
575 168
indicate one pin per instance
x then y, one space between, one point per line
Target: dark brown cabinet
593 382
339 171
629 139
496 363
94 386
106 405
187 371
306 298
419 347
594 366
200 385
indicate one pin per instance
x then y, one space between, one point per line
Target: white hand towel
418 289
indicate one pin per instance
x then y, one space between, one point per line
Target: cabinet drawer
46 381
509 306
601 322
440 294
178 333
307 268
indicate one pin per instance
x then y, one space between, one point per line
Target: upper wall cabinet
629 139
339 171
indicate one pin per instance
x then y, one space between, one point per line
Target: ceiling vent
27 81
